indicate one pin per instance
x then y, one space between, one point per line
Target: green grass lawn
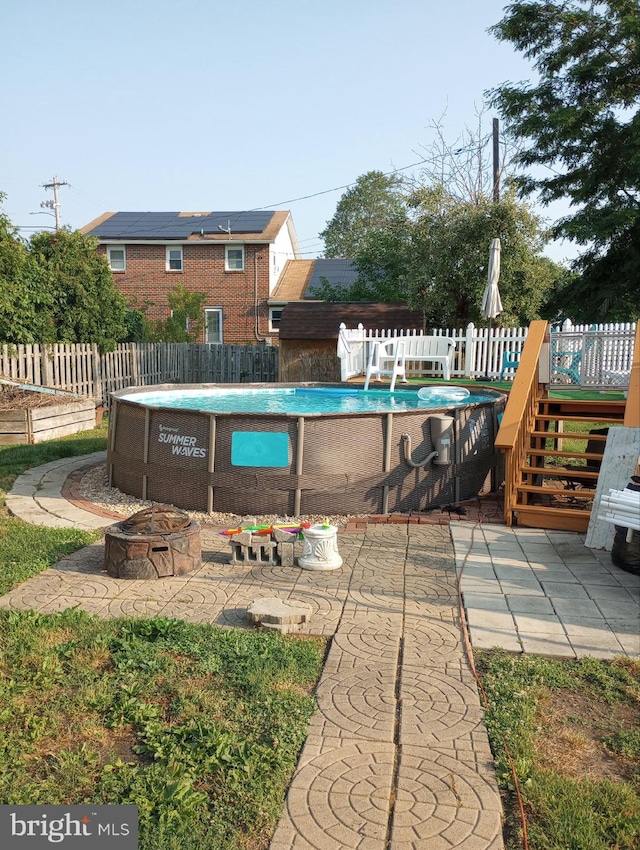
198 726
571 728
570 394
568 443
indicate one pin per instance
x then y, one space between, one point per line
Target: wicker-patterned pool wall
347 463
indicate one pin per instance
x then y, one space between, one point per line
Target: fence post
135 364
469 350
98 389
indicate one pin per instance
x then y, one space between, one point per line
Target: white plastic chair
386 358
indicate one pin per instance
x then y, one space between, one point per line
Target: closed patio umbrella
491 303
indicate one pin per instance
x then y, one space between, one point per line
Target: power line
337 188
102 204
280 203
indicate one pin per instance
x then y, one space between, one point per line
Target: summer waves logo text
101 827
181 444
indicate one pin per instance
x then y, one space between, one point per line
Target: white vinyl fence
475 354
81 369
594 356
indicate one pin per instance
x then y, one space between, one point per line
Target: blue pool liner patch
260 448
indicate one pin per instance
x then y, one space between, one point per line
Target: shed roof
321 319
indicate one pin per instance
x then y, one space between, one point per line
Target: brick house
235 258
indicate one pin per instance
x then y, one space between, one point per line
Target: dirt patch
13 398
572 728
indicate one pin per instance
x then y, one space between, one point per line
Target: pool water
302 401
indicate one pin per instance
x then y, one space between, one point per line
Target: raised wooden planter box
36 424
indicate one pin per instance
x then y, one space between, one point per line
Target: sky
200 105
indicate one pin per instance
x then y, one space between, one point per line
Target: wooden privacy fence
81 369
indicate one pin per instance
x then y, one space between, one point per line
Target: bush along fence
597 356
81 369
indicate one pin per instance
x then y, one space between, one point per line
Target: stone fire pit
154 543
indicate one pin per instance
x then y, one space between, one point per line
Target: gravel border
94 487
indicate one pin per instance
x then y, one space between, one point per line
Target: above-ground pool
301 449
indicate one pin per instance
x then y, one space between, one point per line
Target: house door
213 325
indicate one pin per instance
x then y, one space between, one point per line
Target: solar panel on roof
172 225
237 222
339 273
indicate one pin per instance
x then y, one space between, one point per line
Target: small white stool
320 548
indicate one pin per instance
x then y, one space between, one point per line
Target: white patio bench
389 356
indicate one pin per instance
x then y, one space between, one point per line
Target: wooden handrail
520 411
525 383
632 407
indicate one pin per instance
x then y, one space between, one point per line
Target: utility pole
496 161
55 203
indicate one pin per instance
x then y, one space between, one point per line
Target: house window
213 325
234 259
174 259
117 259
275 314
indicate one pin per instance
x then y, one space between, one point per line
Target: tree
437 259
135 323
448 258
381 265
465 166
86 306
581 122
186 320
24 301
367 209
433 249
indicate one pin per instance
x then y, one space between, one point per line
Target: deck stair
548 482
555 485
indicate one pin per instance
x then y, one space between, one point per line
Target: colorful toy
266 529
